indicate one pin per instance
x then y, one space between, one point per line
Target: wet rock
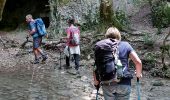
158 83
84 78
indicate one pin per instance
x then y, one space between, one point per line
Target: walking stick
60 59
138 88
60 55
97 94
97 87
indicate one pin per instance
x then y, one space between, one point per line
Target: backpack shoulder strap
72 30
115 49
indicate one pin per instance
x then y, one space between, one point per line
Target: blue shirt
32 26
124 50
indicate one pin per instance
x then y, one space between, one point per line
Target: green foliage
91 22
89 25
167 73
150 57
159 17
121 20
149 61
167 10
100 22
136 2
148 40
63 2
166 49
161 72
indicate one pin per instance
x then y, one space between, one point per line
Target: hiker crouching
73 39
111 66
37 39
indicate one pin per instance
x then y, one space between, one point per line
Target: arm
137 62
32 31
32 28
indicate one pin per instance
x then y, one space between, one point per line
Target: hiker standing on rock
37 39
112 68
73 39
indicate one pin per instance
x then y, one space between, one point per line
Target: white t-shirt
75 50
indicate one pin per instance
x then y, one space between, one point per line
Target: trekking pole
60 55
60 59
138 88
97 94
97 87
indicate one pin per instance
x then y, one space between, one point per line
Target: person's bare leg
36 56
42 53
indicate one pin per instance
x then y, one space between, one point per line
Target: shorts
37 42
116 92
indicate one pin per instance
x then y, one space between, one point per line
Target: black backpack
106 57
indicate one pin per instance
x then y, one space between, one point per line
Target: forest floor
22 80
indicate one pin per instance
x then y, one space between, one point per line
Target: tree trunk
55 18
106 11
2 4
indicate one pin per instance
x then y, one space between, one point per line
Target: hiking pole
138 88
97 87
97 94
60 54
60 59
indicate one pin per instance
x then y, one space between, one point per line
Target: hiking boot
78 72
66 66
59 68
36 61
44 58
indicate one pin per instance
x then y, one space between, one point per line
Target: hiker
74 49
116 88
37 39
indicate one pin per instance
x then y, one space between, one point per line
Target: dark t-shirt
31 27
124 50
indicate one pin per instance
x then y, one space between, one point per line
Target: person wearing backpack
111 66
37 39
73 39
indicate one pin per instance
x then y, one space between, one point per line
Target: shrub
159 17
148 40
